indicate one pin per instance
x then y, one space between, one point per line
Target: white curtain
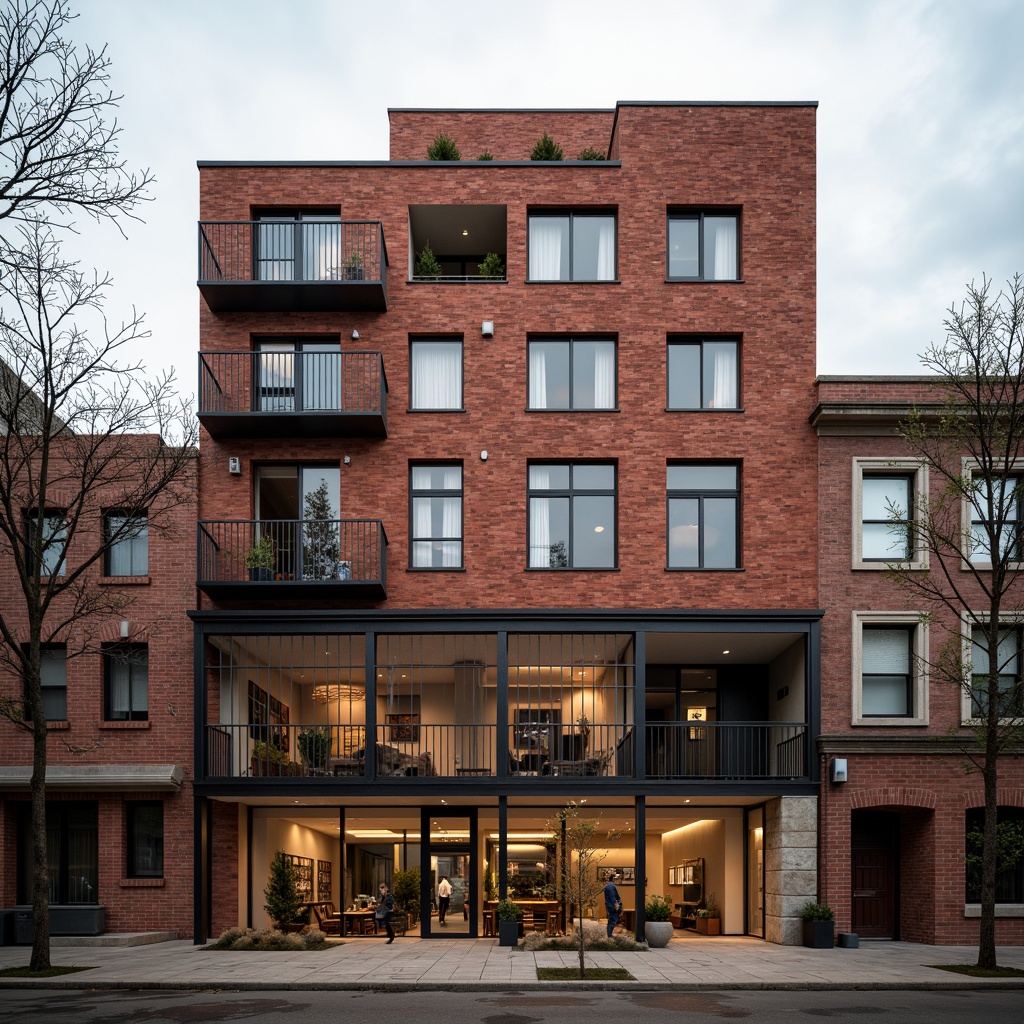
725 251
538 377
451 519
606 251
604 377
725 396
436 377
120 677
545 248
540 521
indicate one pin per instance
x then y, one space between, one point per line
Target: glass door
450 898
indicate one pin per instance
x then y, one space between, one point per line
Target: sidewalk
687 963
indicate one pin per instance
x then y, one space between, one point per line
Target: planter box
258 575
85 920
508 933
709 925
819 934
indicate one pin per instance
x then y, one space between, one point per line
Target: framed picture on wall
627 876
324 883
403 728
303 876
536 728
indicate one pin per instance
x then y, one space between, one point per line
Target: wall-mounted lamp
355 335
487 328
235 465
347 460
483 455
837 770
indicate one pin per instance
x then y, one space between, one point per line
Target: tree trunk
40 862
989 848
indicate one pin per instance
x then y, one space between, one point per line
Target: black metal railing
546 750
292 250
274 382
259 750
407 749
288 551
726 750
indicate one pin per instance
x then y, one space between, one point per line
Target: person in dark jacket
612 902
385 908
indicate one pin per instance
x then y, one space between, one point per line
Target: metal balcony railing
727 750
408 749
260 558
258 750
548 750
310 392
275 264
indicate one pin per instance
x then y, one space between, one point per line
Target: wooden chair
553 922
490 923
328 925
399 922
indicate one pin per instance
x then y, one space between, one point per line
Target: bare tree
81 435
58 139
971 525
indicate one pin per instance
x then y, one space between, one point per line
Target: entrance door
874 854
450 853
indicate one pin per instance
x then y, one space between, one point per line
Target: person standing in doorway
385 908
444 898
612 902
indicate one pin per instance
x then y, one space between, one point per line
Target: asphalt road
42 1006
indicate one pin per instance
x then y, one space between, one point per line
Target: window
53 681
1009 870
1004 498
571 374
890 672
572 516
299 376
703 374
436 493
1008 658
128 544
703 516
294 246
435 376
703 247
126 670
72 852
887 494
145 835
52 559
572 246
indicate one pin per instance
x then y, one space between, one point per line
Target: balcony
293 393
274 560
293 266
727 750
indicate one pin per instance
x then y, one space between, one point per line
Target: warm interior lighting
338 692
523 835
379 833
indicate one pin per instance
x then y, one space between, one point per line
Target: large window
435 376
299 376
996 510
297 246
572 374
126 672
1007 664
72 852
53 680
572 246
890 669
703 374
145 840
886 508
436 519
1009 868
128 544
703 516
703 247
51 558
572 515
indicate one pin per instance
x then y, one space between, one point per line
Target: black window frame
1014 524
909 478
703 494
700 215
47 514
295 395
415 493
571 493
909 629
133 810
439 339
133 654
683 341
1015 689
45 686
1009 878
295 217
62 818
111 545
572 341
573 213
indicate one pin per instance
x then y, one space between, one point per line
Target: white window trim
967 511
967 624
919 668
881 467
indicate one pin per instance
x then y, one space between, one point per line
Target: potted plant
492 266
259 559
282 892
314 746
658 921
352 267
707 918
509 914
427 264
268 759
405 887
819 925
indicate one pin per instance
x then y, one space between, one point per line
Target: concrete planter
819 934
508 933
657 933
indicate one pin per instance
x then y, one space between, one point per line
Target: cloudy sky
920 123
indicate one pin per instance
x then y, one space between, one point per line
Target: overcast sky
920 123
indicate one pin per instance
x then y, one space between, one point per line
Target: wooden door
874 853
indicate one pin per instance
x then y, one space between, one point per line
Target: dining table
355 921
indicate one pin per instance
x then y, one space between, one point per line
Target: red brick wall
224 867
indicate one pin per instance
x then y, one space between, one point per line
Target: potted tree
492 266
509 914
819 925
282 892
352 267
259 559
427 264
314 746
708 919
269 759
405 887
658 923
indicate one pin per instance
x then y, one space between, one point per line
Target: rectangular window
703 374
127 544
72 852
51 557
572 516
571 374
887 504
703 516
1008 659
298 247
436 520
299 376
126 670
53 680
435 376
703 247
572 246
1009 869
996 510
145 840
887 671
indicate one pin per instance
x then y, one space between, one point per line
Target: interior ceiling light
465 232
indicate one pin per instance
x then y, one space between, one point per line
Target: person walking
385 908
612 902
444 898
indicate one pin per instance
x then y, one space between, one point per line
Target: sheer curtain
545 248
604 377
725 396
538 378
451 519
725 250
606 251
436 376
540 521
